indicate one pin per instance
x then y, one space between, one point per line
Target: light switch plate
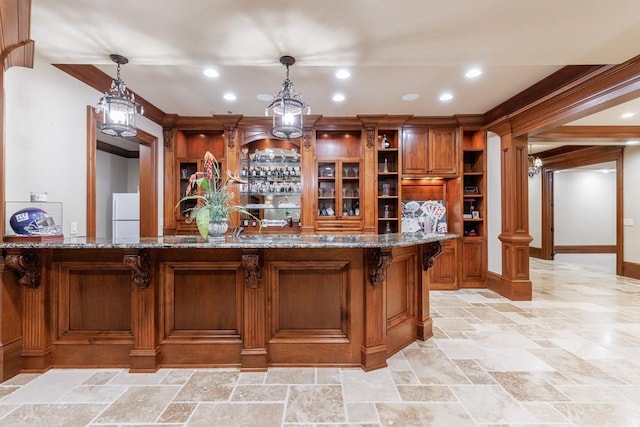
627 222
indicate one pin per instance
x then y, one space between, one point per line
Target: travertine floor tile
139 404
315 404
569 357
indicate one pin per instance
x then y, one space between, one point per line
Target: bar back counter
248 302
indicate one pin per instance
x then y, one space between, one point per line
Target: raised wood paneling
296 307
473 260
323 290
202 298
402 299
310 298
444 273
92 297
98 300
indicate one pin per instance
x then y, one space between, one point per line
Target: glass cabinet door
350 188
338 189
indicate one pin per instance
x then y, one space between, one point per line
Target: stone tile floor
569 357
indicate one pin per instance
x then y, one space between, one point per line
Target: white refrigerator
126 216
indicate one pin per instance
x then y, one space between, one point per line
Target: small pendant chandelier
535 164
118 106
287 108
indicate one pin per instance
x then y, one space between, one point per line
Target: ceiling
391 49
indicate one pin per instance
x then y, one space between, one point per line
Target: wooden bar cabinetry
473 263
388 186
339 188
429 151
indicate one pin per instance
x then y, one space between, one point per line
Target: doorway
612 157
147 181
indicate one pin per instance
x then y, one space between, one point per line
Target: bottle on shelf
387 228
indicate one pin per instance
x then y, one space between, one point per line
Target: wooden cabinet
183 159
429 151
339 186
444 273
338 197
388 207
473 265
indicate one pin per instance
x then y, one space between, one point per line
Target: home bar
314 271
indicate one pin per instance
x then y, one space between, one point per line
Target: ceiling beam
588 134
95 78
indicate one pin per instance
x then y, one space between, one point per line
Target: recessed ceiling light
628 115
265 97
633 142
210 72
410 97
473 73
229 96
343 74
446 96
338 97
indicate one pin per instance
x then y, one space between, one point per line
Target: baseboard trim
535 252
584 249
630 269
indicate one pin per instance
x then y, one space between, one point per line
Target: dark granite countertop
259 241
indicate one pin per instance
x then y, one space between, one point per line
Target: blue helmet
33 221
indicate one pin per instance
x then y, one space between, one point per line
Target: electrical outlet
74 228
628 222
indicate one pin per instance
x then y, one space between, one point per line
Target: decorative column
143 308
373 353
36 344
253 356
514 282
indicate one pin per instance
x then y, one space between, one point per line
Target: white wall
494 204
584 208
535 210
45 118
631 207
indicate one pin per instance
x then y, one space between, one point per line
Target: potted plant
214 201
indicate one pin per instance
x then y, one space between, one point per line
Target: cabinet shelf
270 193
473 195
474 173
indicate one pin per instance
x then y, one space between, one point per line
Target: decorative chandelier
287 108
535 164
118 106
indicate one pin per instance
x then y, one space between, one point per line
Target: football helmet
33 221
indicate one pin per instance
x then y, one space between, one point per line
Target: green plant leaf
202 220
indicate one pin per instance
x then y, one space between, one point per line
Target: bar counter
250 301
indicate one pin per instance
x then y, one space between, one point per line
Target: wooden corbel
251 270
140 269
378 263
429 252
26 266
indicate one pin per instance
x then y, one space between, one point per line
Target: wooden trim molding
585 249
631 269
16 46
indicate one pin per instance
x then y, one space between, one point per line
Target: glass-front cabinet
272 188
339 194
